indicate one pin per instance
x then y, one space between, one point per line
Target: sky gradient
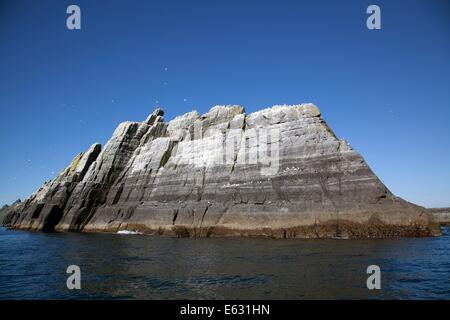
386 91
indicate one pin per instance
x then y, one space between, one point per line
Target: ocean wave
128 232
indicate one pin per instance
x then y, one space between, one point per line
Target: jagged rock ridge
278 172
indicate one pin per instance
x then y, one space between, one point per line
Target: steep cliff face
5 209
278 172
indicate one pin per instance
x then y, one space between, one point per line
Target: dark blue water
33 266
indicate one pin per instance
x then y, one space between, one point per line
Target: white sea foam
128 232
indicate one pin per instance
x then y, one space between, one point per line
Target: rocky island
279 172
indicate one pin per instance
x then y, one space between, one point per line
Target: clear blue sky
386 91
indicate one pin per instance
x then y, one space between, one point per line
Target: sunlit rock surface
278 172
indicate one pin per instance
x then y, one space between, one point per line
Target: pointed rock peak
96 147
221 109
74 164
306 110
222 113
304 107
182 122
157 114
189 115
88 157
83 160
309 109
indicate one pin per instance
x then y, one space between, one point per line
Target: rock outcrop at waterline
6 208
278 172
440 215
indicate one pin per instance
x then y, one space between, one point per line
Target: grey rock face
278 172
6 208
44 208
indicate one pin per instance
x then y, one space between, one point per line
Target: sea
34 265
